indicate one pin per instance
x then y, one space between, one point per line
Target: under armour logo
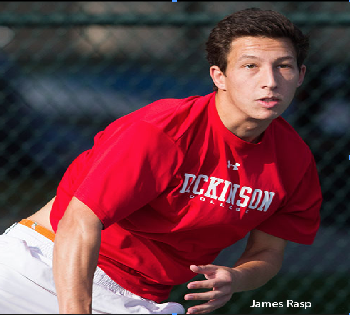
234 166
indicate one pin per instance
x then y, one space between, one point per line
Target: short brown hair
253 22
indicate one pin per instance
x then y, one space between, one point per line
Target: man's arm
261 260
75 256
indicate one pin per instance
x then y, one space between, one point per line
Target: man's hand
261 260
219 283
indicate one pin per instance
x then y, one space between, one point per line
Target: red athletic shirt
173 187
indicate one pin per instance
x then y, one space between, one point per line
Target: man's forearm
74 262
253 270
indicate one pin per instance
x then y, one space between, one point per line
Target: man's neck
246 128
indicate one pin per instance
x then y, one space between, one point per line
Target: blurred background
68 69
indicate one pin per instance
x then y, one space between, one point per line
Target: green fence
67 69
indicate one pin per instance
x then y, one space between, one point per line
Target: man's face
261 77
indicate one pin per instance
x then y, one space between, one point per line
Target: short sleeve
299 219
127 171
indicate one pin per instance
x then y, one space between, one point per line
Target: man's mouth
268 102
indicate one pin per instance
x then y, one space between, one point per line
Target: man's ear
301 75
218 77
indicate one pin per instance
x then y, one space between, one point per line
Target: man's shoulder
176 105
285 131
171 116
287 137
175 116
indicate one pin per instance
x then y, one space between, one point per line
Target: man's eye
250 66
284 66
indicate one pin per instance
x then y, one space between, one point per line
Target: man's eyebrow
248 57
257 58
286 58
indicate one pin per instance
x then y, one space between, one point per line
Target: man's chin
267 115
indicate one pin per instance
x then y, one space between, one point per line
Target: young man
166 188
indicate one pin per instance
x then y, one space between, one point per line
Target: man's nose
269 78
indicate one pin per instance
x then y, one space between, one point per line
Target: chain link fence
67 69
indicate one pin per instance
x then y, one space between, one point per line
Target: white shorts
27 284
